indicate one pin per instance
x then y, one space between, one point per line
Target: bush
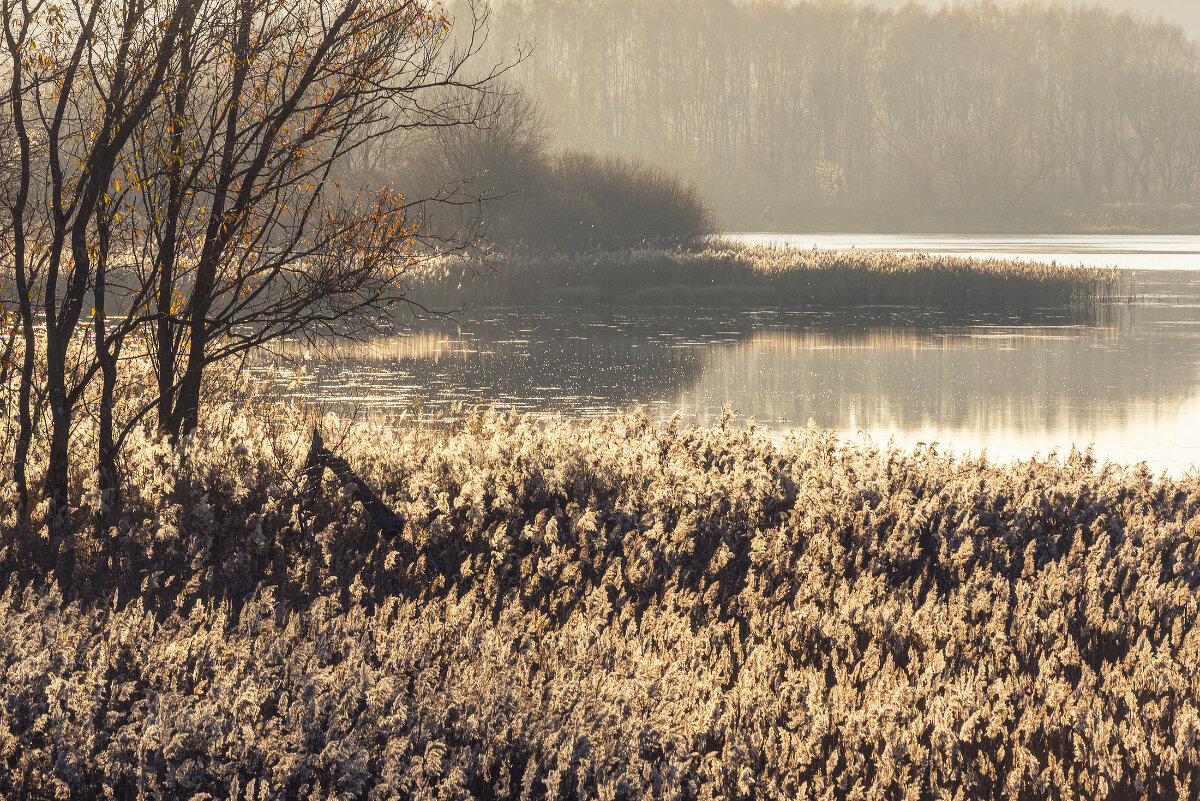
501 175
582 202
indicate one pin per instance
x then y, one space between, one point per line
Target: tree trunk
165 336
320 458
58 467
110 489
24 399
24 296
106 460
60 422
187 401
165 326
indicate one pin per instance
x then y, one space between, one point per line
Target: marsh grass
605 609
727 274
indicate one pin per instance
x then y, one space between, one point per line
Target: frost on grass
607 610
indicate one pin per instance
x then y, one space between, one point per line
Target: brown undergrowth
606 609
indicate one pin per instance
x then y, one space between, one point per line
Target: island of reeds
723 273
606 609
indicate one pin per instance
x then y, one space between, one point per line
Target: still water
1125 252
1126 379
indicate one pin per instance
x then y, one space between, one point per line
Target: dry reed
725 274
606 610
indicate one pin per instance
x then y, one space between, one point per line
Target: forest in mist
878 115
1179 12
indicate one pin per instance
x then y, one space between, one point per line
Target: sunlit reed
606 609
727 274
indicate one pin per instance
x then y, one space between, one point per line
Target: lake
1125 252
1126 379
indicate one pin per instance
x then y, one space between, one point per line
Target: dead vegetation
606 609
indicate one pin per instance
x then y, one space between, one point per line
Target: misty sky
1184 12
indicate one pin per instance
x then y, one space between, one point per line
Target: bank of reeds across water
728 274
606 609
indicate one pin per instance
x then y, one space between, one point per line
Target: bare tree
83 77
253 235
175 163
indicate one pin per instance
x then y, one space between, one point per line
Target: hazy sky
1184 12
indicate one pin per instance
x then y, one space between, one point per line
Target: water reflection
1126 379
537 362
1010 391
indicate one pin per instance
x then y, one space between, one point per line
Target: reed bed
731 274
609 609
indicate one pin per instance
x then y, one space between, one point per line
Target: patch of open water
1126 379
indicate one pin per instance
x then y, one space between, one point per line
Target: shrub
577 202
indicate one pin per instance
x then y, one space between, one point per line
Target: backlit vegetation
601 610
725 274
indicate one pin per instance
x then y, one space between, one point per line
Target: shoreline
943 230
1130 218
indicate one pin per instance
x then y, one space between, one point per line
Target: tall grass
726 274
605 610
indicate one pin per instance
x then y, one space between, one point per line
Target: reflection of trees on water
584 364
870 368
909 369
979 378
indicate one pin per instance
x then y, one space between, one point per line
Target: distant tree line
960 114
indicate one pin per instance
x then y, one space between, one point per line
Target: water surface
1142 252
1124 379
